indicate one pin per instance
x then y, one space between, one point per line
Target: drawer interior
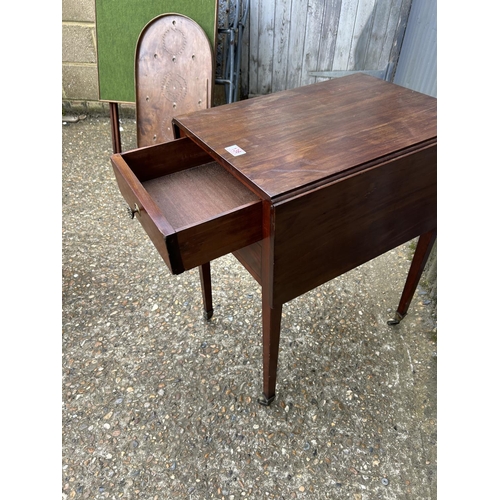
197 194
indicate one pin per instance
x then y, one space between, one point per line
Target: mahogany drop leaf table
301 186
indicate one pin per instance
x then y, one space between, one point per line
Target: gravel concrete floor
159 403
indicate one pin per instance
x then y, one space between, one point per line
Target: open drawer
192 209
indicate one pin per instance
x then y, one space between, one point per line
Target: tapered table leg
424 247
271 325
206 290
115 127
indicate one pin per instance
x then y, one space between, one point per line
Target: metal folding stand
231 63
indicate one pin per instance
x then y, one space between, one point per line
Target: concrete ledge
95 108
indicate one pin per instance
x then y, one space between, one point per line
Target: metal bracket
132 211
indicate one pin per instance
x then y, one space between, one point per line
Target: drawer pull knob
133 211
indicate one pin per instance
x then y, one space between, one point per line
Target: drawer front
219 236
152 220
193 215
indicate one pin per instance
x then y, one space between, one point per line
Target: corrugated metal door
417 65
417 70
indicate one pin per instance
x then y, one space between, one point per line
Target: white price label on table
235 150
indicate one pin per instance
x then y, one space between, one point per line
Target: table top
298 138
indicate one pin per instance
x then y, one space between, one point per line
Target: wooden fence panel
329 31
282 20
312 40
297 42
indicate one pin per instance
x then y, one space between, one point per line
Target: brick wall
80 92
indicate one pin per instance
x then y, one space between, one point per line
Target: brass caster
264 401
397 319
